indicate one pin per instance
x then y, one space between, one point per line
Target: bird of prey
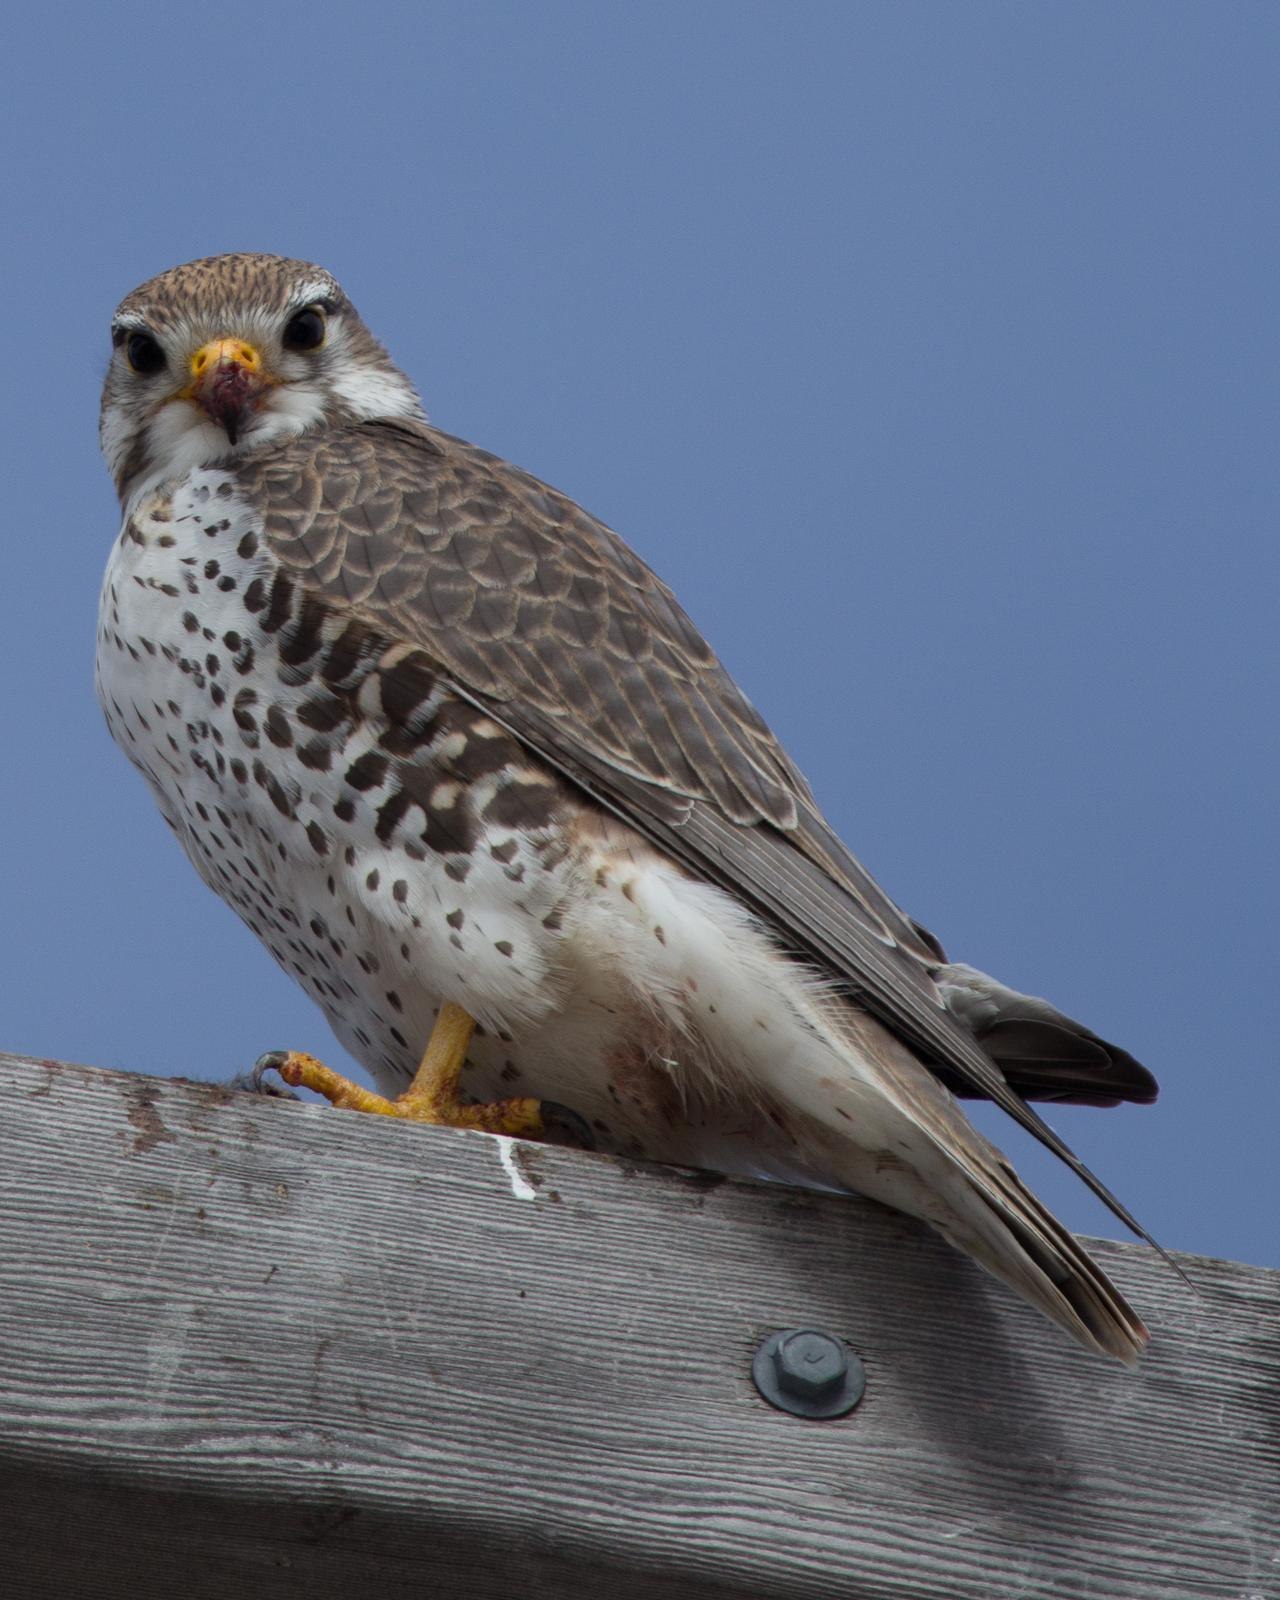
460 760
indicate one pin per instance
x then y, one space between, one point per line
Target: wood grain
249 1346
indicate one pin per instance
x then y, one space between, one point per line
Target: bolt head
808 1373
810 1365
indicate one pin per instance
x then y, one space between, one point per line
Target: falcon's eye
145 355
305 329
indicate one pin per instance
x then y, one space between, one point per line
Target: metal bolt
810 1364
808 1373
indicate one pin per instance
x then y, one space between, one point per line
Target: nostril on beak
225 353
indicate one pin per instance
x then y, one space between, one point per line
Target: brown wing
542 615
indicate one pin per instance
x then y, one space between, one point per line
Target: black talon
563 1125
268 1061
254 1081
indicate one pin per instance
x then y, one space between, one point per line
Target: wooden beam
250 1347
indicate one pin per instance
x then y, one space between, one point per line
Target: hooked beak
227 382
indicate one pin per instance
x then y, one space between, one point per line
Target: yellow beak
227 381
233 353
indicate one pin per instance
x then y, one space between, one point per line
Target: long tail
876 1121
974 1197
1038 1257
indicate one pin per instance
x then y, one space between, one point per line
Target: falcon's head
221 356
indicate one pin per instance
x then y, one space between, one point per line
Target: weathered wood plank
249 1346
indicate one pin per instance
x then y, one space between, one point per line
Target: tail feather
969 1192
1028 1248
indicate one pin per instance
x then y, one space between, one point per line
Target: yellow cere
231 352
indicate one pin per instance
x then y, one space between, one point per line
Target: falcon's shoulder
525 599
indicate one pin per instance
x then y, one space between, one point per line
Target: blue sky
928 350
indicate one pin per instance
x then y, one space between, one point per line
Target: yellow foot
433 1094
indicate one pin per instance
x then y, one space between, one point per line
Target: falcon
462 763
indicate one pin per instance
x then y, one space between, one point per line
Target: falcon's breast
378 832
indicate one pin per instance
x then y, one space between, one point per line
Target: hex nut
808 1373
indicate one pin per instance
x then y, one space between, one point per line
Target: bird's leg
433 1094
